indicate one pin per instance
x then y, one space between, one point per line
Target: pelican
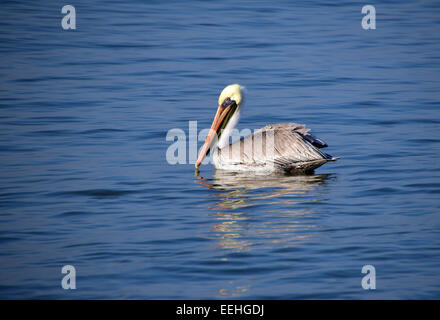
281 147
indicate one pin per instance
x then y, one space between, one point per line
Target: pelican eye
228 102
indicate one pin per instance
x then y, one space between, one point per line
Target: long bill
221 114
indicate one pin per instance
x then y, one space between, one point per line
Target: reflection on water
283 199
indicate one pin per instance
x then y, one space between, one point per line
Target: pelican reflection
259 210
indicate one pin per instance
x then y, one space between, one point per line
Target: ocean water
84 179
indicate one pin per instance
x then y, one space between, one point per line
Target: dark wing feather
315 141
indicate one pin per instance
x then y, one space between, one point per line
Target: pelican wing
301 129
288 146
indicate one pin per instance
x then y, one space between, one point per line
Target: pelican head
229 102
234 92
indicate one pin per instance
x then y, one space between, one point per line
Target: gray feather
288 146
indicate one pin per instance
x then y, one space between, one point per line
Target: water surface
84 179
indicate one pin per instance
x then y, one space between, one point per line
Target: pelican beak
224 113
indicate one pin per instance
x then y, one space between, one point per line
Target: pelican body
281 147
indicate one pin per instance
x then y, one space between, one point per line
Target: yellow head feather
234 92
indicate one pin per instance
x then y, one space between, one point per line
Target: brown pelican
281 147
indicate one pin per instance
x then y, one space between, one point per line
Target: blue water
84 178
